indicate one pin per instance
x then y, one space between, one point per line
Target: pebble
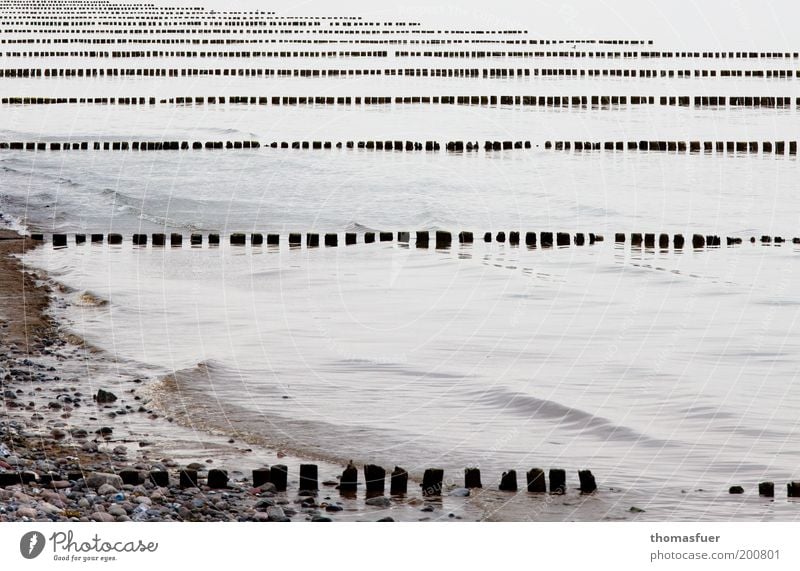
26 512
97 479
106 489
101 517
275 513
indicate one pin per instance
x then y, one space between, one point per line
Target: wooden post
588 484
261 476
422 239
558 481
160 478
188 478
349 480
308 477
508 481
375 479
217 479
472 478
399 482
432 482
279 476
536 481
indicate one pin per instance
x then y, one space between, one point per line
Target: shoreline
53 425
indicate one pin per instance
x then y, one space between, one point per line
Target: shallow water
663 372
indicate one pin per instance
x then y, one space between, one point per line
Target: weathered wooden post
443 240
308 478
348 483
422 239
374 478
536 481
188 478
432 482
508 481
588 483
217 479
472 478
558 481
279 476
160 478
766 489
399 482
261 476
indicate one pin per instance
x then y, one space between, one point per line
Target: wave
188 396
564 416
358 227
132 204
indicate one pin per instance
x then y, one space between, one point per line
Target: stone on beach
97 479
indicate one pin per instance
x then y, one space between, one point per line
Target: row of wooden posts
460 72
254 41
581 101
433 483
440 239
387 145
767 147
576 54
706 147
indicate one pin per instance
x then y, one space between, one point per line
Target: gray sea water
663 372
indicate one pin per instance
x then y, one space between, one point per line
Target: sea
669 373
